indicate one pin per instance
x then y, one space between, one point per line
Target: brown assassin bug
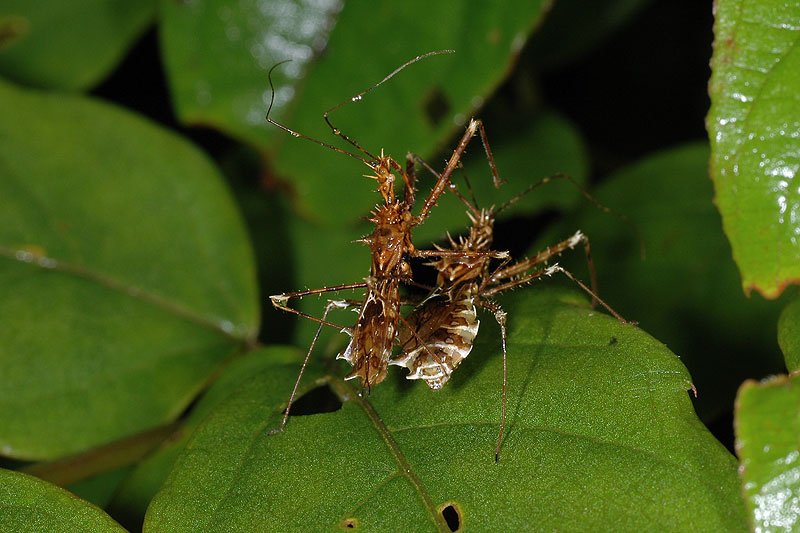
440 332
374 335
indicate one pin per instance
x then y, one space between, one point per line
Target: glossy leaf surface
754 127
28 504
68 45
126 274
218 53
599 420
768 445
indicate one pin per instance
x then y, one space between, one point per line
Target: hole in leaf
436 106
451 516
318 400
349 523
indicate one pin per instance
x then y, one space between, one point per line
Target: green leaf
68 45
132 498
789 335
30 504
669 269
220 80
768 443
101 488
125 274
217 54
414 112
753 125
599 421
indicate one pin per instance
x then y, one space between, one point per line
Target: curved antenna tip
272 87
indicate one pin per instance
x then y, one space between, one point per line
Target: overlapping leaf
599 421
754 126
217 55
768 445
668 267
31 505
68 45
133 496
126 274
789 335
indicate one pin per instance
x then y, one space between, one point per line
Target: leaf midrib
112 283
346 392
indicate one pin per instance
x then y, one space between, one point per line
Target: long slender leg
524 265
279 301
500 316
360 96
443 179
331 304
557 268
549 271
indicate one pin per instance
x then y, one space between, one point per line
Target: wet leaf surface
768 445
754 127
134 494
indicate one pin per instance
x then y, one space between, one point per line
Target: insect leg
340 304
500 316
474 126
280 301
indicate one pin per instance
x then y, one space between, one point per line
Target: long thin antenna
360 96
298 134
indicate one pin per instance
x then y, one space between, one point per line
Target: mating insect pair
439 333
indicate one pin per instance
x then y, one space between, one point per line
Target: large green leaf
768 445
599 421
789 335
669 268
217 56
125 274
131 499
68 45
753 125
30 504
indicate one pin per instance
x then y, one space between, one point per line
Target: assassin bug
441 331
374 335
